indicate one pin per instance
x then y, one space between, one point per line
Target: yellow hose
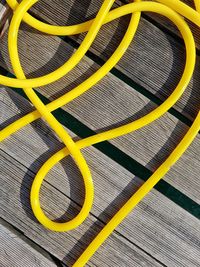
172 9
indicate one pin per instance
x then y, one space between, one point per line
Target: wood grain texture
17 251
161 22
143 62
158 226
111 103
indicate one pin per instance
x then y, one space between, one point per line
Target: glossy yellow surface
174 10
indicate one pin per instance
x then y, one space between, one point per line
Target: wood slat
121 104
64 246
16 251
161 228
170 27
143 62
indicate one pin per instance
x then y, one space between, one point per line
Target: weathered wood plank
121 104
17 251
160 227
65 246
143 62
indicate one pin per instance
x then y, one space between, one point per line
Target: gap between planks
17 251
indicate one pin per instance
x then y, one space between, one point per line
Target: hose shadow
180 128
103 217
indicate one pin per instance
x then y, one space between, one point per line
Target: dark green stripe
123 159
3 71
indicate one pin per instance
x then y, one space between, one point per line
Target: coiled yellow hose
172 9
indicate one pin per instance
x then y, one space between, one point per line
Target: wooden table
164 229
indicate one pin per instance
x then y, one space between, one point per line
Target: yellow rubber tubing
74 148
94 139
35 189
159 111
60 72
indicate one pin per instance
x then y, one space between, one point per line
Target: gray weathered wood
112 102
160 227
65 246
17 251
143 62
169 26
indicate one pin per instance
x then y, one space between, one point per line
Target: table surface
164 229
